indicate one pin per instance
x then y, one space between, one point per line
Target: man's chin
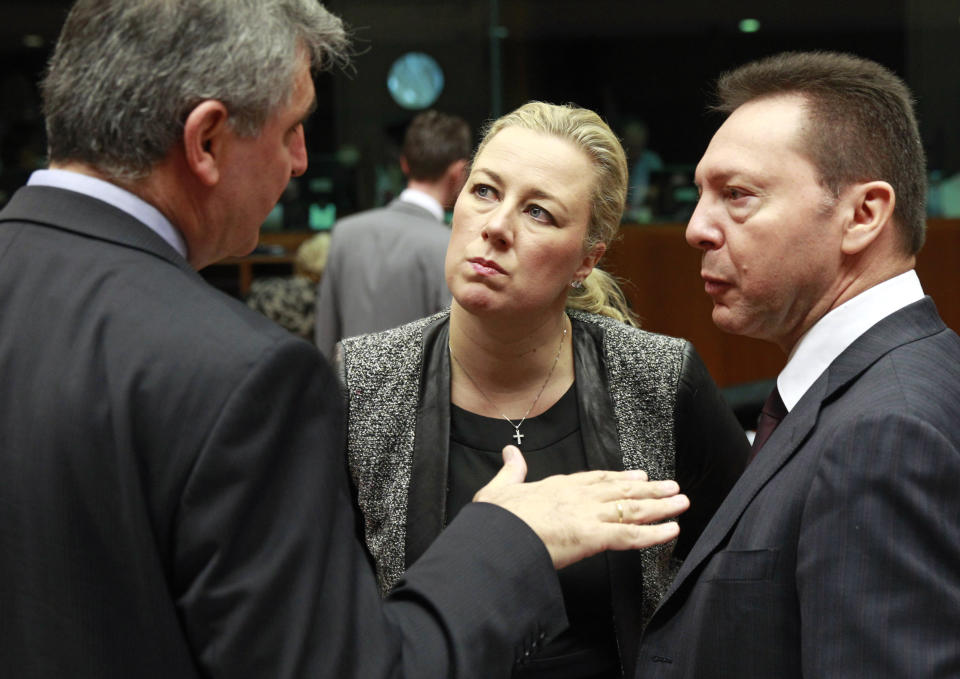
725 320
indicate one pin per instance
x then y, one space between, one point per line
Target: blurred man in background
385 266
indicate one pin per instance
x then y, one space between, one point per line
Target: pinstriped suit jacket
837 553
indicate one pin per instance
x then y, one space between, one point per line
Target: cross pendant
518 435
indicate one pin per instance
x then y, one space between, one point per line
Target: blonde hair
600 294
311 257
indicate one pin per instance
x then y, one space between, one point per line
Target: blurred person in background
290 301
386 265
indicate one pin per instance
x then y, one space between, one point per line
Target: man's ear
872 204
203 139
456 177
458 170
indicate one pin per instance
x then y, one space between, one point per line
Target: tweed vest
382 373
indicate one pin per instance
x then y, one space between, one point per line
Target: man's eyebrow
714 176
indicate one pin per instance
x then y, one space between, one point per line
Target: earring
576 284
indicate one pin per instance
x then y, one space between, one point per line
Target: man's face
257 169
768 230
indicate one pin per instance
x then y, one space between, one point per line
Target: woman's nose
498 228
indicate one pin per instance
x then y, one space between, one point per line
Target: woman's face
519 225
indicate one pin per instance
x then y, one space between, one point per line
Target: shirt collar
426 201
119 198
839 328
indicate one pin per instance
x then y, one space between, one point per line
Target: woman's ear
590 259
203 140
872 212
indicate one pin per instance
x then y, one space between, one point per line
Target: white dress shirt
426 201
838 329
121 199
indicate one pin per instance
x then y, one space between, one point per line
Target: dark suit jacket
837 554
173 496
385 268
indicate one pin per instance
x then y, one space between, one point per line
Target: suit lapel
780 447
913 322
84 215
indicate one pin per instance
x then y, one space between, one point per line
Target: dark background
654 60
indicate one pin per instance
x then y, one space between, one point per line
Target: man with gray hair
173 493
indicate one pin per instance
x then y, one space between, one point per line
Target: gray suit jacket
173 495
837 553
385 268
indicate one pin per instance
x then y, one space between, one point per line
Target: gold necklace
516 426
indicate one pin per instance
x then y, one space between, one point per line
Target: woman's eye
483 191
539 213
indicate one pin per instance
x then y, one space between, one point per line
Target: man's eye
736 194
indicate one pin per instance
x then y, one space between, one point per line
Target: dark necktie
770 415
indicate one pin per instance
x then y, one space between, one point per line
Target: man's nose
703 232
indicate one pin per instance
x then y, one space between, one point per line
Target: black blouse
551 445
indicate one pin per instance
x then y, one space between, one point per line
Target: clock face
415 80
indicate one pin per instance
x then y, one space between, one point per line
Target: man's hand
578 515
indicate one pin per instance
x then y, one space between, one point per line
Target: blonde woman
540 351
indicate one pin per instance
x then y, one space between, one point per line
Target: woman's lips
485 267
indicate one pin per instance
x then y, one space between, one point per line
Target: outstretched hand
578 515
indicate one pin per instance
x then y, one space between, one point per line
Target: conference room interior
640 64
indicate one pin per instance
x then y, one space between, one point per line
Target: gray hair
125 74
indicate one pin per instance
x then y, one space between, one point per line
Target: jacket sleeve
271 579
712 448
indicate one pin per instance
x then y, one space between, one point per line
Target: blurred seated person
538 350
290 301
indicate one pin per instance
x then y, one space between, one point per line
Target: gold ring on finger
619 512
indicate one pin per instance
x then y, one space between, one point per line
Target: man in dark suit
386 265
173 495
837 554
